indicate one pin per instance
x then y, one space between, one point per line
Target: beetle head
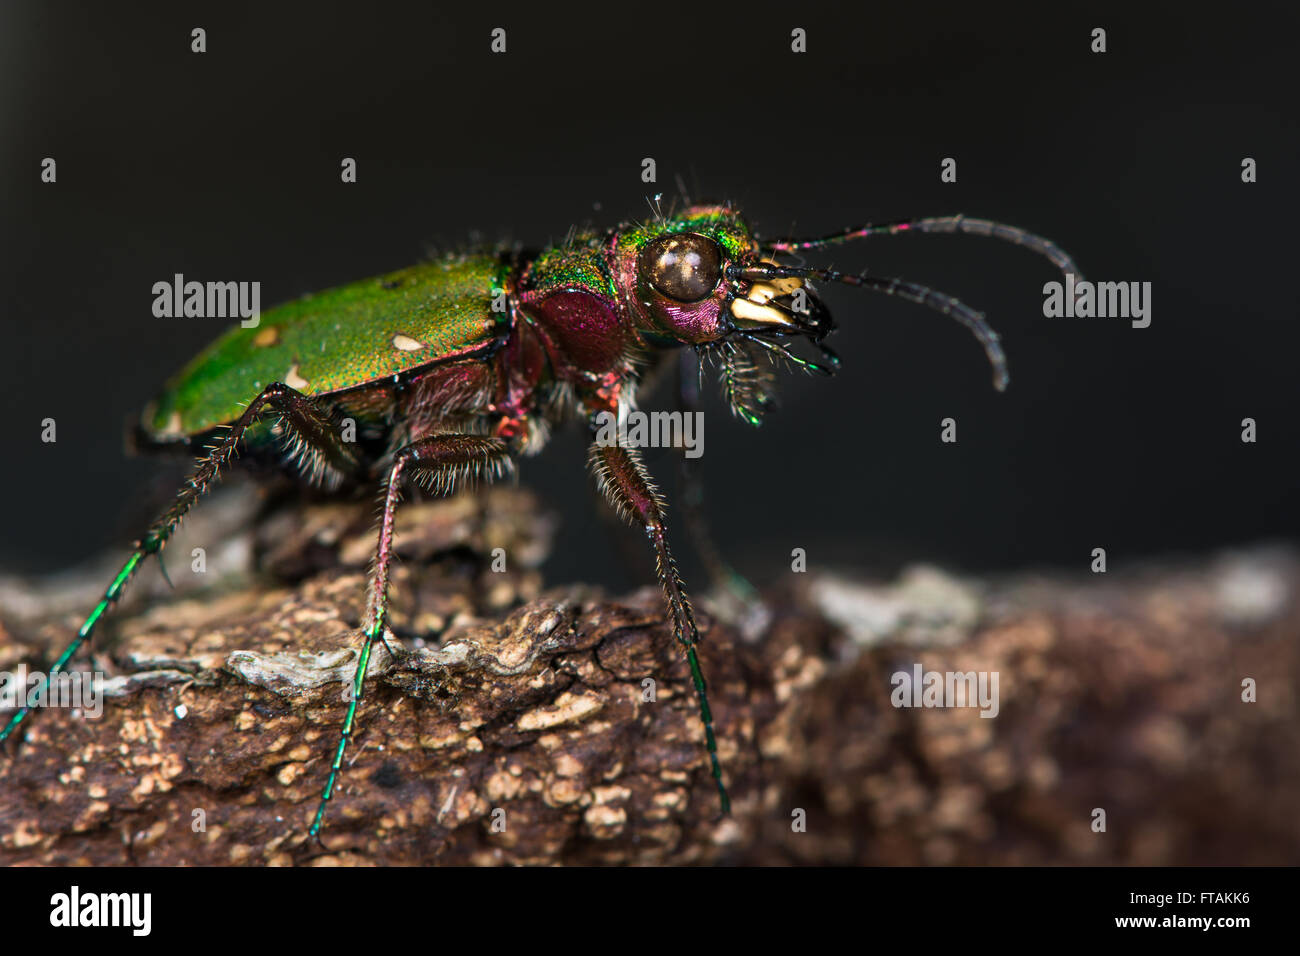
689 278
703 278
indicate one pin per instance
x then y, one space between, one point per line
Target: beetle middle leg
441 462
628 488
308 423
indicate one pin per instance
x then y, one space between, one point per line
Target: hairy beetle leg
307 422
628 489
733 590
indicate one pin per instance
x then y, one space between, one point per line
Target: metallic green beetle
452 369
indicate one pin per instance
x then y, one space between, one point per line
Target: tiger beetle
452 369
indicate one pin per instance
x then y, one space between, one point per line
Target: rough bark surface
516 726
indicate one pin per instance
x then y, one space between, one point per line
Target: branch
516 726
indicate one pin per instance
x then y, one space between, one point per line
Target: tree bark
522 726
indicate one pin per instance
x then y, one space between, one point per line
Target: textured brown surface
1119 691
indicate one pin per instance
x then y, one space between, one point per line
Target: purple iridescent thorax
583 331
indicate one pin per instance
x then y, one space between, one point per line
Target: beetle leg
628 488
311 425
730 583
441 462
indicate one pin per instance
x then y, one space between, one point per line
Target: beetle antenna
951 224
913 292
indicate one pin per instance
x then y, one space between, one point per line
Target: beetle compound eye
684 267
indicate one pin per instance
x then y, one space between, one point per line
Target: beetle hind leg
312 426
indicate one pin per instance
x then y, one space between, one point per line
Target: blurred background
225 166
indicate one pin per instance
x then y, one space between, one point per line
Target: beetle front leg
443 462
311 425
735 590
628 488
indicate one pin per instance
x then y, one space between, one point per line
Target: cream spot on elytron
267 337
406 344
173 424
294 380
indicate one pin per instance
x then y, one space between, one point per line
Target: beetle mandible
454 368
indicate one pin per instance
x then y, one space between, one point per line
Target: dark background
226 166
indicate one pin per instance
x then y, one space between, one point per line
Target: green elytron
446 372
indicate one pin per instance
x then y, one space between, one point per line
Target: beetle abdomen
341 339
